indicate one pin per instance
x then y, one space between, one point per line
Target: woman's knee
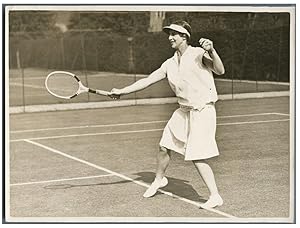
163 150
201 163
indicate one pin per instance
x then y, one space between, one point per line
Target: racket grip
92 91
100 92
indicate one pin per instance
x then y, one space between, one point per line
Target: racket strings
62 84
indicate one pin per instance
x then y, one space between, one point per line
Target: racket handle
100 92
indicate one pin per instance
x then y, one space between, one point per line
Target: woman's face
175 39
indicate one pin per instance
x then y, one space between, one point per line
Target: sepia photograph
149 113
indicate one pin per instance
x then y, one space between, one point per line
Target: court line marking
88 134
59 180
89 126
34 86
126 178
255 114
253 122
27 85
281 114
138 123
137 131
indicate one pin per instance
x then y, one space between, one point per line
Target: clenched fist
206 44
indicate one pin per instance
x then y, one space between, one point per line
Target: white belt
190 108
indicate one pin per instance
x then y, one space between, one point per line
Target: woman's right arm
141 84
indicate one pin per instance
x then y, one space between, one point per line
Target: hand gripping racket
66 85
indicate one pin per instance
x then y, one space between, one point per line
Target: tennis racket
66 85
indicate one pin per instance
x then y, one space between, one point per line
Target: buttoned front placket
177 61
179 64
176 77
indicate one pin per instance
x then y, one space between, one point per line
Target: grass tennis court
94 165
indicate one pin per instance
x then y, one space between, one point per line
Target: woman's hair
185 25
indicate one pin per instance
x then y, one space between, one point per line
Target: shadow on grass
176 186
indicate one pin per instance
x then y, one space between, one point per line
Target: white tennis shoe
156 184
212 202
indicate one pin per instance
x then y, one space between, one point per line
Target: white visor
176 28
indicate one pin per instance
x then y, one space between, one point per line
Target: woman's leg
208 177
163 160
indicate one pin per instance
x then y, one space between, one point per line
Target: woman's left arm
214 62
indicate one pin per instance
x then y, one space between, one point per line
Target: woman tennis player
192 127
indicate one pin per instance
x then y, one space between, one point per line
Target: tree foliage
32 24
132 22
117 22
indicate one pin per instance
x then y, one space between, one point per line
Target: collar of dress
175 57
